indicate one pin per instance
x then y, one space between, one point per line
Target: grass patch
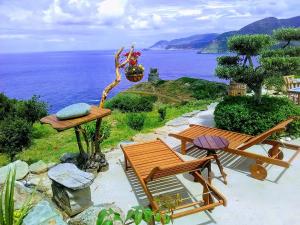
49 145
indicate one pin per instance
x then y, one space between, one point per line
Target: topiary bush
243 114
136 120
131 103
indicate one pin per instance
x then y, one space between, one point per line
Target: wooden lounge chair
239 143
154 160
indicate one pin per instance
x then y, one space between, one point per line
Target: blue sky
51 25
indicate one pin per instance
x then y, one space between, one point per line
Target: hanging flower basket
134 72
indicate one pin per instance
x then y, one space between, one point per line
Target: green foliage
6 106
136 121
281 65
105 130
280 52
8 214
210 90
275 82
287 34
242 114
131 103
228 60
15 134
249 44
134 216
162 112
32 110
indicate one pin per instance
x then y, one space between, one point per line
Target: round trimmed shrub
243 114
131 103
136 121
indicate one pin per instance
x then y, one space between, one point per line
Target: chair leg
183 147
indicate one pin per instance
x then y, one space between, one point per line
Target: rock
22 170
51 165
71 188
180 121
22 194
69 158
71 201
41 182
68 175
89 216
43 214
38 167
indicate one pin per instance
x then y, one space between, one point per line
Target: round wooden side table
211 144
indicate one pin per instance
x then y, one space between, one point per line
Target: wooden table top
210 142
61 125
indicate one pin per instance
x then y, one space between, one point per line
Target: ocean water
64 78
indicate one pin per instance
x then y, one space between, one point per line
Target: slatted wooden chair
154 160
239 143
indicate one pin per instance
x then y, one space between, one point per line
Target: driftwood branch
118 65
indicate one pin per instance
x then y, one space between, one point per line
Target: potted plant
133 70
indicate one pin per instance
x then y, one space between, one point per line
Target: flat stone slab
191 114
43 214
22 170
69 176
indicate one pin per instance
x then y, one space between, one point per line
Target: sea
64 78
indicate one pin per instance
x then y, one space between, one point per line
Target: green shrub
15 134
32 110
131 103
162 112
243 114
7 106
136 121
202 90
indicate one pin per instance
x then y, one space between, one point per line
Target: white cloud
55 14
111 9
14 36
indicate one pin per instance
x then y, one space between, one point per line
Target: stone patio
274 201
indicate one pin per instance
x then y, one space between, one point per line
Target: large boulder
22 170
89 216
38 167
43 214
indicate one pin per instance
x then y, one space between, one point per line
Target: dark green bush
136 120
32 110
7 106
243 114
162 112
202 90
15 134
131 103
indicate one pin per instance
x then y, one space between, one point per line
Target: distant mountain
191 42
214 43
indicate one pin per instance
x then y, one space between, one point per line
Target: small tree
284 60
240 68
271 63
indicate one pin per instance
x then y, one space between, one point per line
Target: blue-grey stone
43 214
73 111
22 170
